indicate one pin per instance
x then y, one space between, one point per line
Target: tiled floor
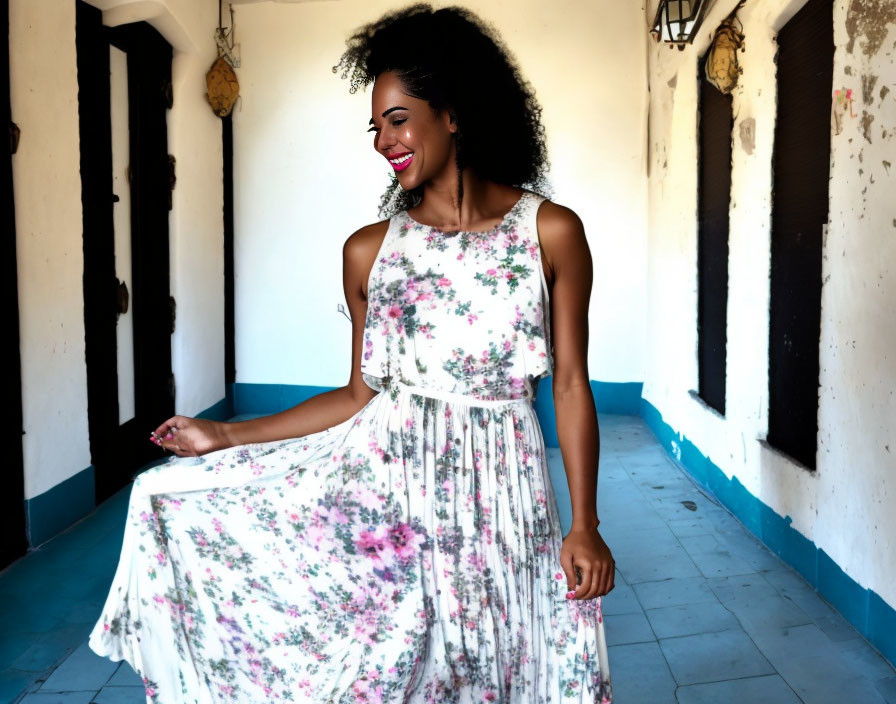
701 614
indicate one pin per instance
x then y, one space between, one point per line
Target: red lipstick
402 165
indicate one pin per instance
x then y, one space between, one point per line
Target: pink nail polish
571 594
169 436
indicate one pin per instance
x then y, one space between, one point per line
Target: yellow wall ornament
722 67
222 86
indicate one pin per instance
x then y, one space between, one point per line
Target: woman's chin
406 184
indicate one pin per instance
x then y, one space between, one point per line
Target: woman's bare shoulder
359 255
559 221
364 243
561 232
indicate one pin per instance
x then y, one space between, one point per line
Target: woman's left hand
585 551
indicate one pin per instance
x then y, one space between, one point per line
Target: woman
397 539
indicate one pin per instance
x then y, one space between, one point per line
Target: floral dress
408 555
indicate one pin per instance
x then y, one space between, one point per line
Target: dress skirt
410 554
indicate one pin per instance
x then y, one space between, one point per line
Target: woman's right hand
191 437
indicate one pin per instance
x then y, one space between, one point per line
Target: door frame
12 496
118 451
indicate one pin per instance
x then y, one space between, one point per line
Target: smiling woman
454 63
397 539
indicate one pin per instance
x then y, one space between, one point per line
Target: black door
12 488
801 169
128 394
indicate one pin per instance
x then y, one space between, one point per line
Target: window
800 171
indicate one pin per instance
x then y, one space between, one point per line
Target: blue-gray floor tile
743 589
690 619
818 680
887 688
711 657
621 600
672 592
767 688
121 695
640 674
13 683
125 677
772 612
82 670
629 628
674 563
59 698
864 659
719 563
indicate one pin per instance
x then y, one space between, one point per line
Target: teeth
401 159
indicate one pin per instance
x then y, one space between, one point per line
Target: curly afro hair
453 60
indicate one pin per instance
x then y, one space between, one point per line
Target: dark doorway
12 490
713 199
800 168
124 79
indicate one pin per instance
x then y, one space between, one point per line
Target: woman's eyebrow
397 107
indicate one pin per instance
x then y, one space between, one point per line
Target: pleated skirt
410 554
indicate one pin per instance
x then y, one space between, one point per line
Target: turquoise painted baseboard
50 513
863 608
222 410
56 509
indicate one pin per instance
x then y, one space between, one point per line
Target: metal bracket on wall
14 134
172 178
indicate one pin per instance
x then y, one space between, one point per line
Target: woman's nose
386 140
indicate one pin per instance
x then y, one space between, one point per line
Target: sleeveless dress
408 555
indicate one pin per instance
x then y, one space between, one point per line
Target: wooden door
124 77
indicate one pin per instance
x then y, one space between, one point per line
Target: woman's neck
481 202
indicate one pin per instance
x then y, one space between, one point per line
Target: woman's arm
569 273
195 437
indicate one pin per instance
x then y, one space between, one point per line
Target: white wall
843 506
307 176
47 185
44 97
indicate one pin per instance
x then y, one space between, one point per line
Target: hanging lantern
677 21
223 87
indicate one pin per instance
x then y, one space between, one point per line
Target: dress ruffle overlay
408 555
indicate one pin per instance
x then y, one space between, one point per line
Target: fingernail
169 436
571 594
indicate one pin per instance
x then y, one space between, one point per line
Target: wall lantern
677 21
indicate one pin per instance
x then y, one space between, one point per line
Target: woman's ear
452 121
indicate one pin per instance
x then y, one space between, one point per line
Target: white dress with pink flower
408 555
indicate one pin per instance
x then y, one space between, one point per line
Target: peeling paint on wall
868 83
868 20
747 133
867 119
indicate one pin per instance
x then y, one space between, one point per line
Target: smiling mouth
402 161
